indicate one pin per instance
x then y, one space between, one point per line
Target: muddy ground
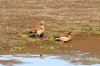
17 17
89 44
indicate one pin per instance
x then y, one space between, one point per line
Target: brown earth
18 16
89 44
6 62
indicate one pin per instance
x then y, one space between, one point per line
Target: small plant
24 36
49 47
65 51
43 47
51 39
28 39
52 47
17 48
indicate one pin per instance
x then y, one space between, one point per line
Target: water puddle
75 59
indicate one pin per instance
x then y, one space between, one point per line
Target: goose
38 31
63 38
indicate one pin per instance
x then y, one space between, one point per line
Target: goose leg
31 34
41 35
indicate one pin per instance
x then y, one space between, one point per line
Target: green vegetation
16 38
17 48
89 28
48 47
66 51
26 37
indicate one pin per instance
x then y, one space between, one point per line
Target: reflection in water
75 59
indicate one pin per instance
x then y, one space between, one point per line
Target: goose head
42 25
70 35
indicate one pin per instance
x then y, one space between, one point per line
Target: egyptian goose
63 38
38 31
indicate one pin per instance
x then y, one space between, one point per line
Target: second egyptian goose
63 38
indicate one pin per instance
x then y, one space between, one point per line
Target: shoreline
84 44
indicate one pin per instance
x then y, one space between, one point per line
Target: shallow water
76 59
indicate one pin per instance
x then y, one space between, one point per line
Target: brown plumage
59 35
63 38
34 30
38 31
56 36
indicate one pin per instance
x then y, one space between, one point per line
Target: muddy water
90 45
76 58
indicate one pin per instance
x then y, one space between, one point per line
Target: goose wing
63 38
34 30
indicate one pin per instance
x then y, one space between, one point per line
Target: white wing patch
64 38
